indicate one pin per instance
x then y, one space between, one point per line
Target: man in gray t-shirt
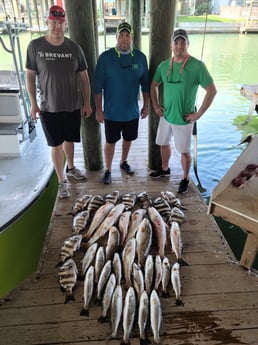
59 68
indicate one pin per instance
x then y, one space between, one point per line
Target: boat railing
14 48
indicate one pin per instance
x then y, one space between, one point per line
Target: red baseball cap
56 13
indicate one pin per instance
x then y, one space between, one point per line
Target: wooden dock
220 297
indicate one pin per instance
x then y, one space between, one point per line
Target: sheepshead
103 278
112 197
144 200
148 273
143 315
163 207
159 229
80 221
138 280
165 276
110 220
70 245
123 225
88 290
107 297
128 314
88 257
176 242
95 203
67 277
98 218
135 221
128 256
129 200
143 241
176 215
176 282
158 271
116 310
169 196
117 268
113 242
155 315
100 261
81 204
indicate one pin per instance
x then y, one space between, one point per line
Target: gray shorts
182 135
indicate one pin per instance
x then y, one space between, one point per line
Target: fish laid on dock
67 277
88 290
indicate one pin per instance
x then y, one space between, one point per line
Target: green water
21 243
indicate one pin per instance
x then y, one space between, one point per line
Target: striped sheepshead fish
112 197
144 200
81 203
95 202
80 221
176 215
70 245
67 277
129 199
163 207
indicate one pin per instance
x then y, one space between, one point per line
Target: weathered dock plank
220 297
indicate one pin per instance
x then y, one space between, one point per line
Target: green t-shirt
180 89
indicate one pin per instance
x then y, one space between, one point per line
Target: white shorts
182 135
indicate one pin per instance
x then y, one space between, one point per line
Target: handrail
21 83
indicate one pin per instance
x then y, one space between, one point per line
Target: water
231 60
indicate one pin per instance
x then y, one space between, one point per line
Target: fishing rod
199 186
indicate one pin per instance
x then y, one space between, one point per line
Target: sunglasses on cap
57 14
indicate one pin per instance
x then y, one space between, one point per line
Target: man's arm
99 111
86 91
154 92
31 87
208 99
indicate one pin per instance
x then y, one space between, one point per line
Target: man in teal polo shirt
120 73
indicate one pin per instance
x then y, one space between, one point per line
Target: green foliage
246 129
202 19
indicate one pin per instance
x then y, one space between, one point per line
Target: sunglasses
57 14
169 79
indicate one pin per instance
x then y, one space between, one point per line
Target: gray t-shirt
57 69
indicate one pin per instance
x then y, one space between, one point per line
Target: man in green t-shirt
181 76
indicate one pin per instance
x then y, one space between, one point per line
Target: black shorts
61 126
113 130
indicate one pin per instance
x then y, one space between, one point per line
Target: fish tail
179 302
182 262
103 319
165 294
144 341
69 297
84 312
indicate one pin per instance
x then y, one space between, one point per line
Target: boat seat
9 128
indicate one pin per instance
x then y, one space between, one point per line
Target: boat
235 198
25 170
